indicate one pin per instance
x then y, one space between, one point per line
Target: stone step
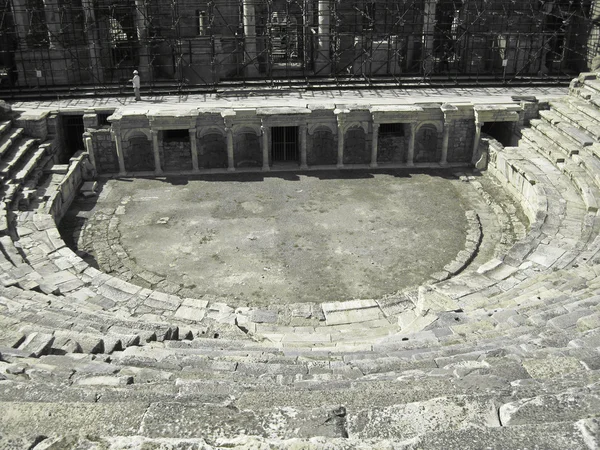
32 163
14 160
9 140
587 188
591 164
37 344
572 131
5 127
567 109
557 138
543 145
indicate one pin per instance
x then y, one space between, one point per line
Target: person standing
136 85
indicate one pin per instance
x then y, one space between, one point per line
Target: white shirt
136 81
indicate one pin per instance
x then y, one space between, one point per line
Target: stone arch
428 142
137 131
137 151
213 129
355 148
212 149
247 128
313 127
322 147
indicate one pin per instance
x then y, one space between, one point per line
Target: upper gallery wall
204 43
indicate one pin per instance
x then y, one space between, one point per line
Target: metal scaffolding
206 44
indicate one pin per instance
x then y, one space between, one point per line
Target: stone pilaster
374 144
265 147
230 161
340 153
141 25
119 147
156 150
53 23
92 39
445 142
250 55
410 157
89 148
428 35
476 141
323 61
21 20
194 149
302 129
450 114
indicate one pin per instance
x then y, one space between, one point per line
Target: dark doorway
73 133
501 131
284 144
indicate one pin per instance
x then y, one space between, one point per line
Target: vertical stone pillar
53 25
341 132
428 35
230 161
21 19
194 149
92 40
323 62
250 54
89 147
303 151
478 126
374 144
155 148
445 142
119 146
265 148
410 157
141 25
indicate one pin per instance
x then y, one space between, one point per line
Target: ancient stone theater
323 224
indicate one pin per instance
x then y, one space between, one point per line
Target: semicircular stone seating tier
500 352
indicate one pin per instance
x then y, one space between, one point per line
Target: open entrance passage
284 144
73 133
501 131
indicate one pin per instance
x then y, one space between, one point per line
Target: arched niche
321 148
247 151
428 143
355 149
137 151
212 150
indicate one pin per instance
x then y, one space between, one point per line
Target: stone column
341 131
478 126
92 39
52 16
141 25
230 162
428 35
410 157
89 147
265 148
250 54
445 141
323 62
119 146
21 19
302 129
155 148
194 148
374 144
